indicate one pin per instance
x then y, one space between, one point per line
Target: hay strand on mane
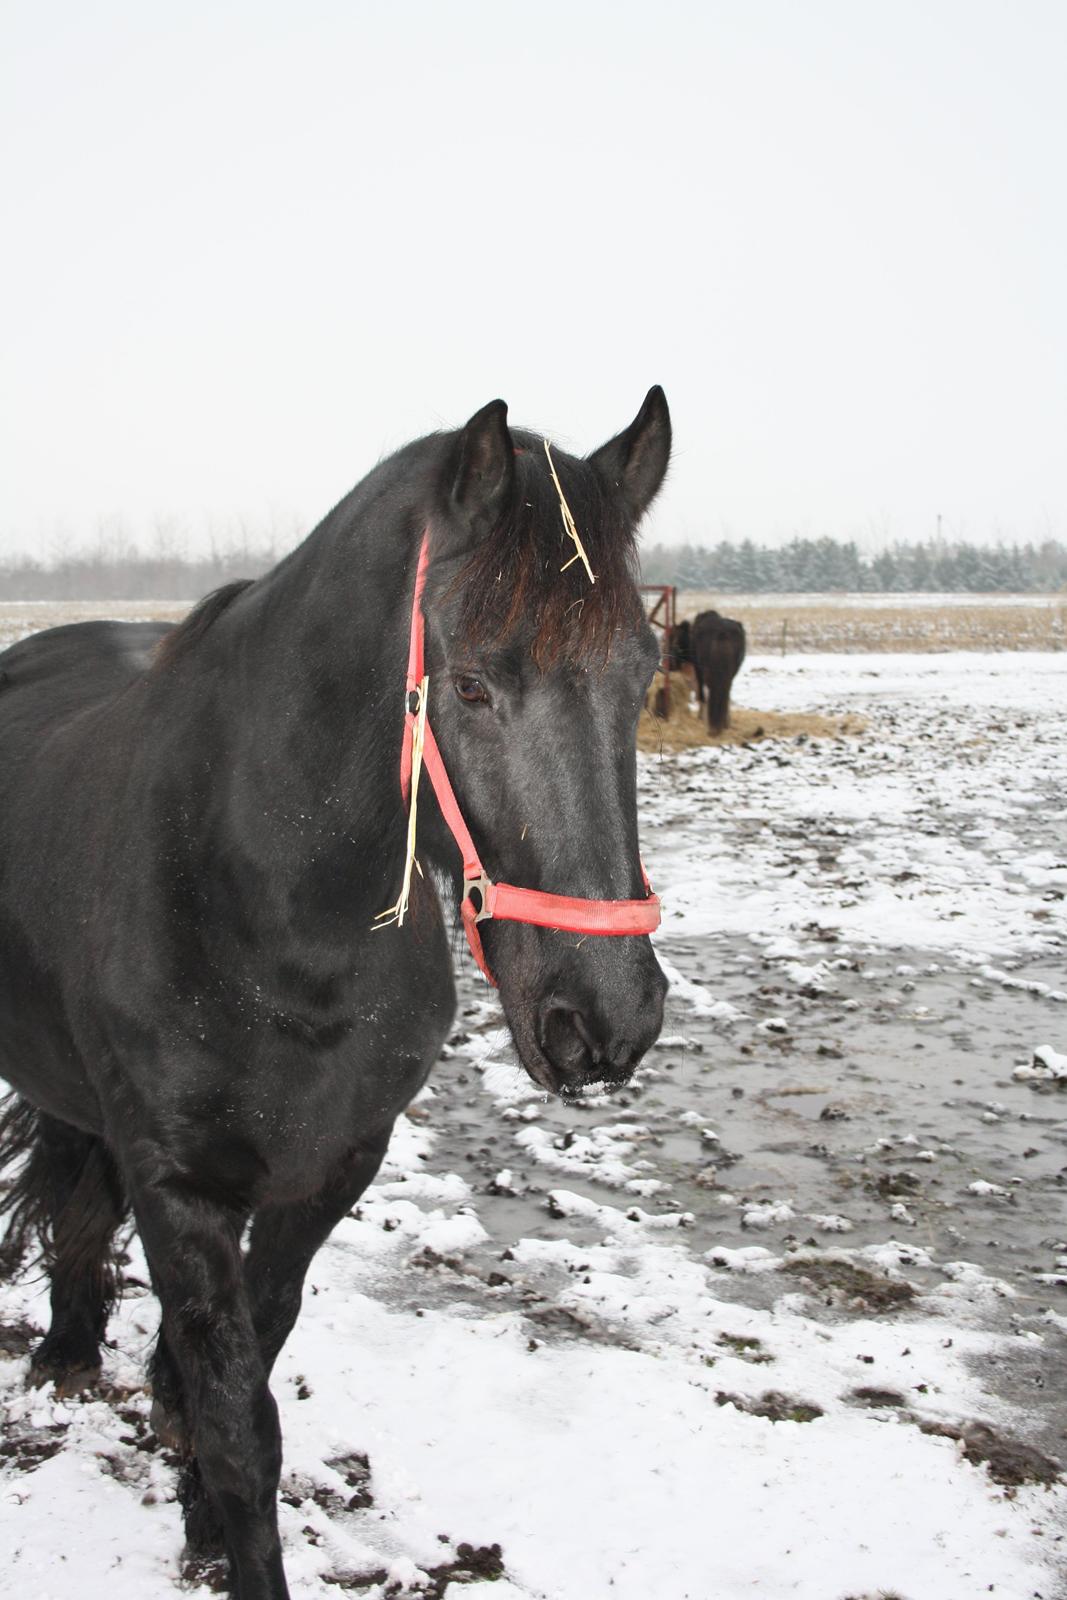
568 521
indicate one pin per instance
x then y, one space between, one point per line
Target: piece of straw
568 521
397 913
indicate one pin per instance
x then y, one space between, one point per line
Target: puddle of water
890 1090
886 1091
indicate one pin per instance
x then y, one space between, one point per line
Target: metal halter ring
483 883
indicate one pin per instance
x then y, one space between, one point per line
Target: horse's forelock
514 580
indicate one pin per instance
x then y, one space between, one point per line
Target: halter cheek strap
482 898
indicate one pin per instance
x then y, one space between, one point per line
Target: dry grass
805 623
685 730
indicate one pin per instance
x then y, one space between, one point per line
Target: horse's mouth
592 1088
574 1088
570 1086
576 1053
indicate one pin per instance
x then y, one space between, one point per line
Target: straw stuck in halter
396 913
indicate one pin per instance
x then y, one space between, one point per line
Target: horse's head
537 677
681 644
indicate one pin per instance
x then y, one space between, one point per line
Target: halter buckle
483 883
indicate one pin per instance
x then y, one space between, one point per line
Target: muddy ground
835 1118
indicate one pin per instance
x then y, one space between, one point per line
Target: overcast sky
249 247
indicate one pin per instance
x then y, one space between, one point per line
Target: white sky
252 246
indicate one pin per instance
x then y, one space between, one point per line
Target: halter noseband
499 899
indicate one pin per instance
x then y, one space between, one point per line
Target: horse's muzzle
584 1043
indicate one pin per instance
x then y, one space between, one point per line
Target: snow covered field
786 1319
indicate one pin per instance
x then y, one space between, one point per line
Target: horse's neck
315 659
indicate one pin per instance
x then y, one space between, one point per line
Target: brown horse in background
714 646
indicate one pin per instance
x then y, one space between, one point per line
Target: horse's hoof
169 1428
71 1375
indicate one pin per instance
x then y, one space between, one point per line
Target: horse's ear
635 461
483 468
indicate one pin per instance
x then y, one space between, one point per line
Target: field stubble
783 624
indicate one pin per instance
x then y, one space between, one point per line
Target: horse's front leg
193 1248
285 1239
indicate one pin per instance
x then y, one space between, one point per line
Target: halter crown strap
503 900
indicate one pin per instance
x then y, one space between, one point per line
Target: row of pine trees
820 566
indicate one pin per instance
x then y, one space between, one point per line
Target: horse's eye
471 689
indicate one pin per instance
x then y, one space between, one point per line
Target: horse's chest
279 1122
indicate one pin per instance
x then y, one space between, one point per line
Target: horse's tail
42 1222
23 1194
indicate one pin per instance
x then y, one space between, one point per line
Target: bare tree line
115 567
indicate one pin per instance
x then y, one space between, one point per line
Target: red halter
500 899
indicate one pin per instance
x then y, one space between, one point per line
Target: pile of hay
684 729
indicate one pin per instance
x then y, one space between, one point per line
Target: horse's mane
175 644
514 577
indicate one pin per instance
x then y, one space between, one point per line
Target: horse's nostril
565 1039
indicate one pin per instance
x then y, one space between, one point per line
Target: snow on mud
786 1317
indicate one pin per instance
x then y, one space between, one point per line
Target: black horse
716 648
198 827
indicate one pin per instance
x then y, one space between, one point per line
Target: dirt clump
26 1452
845 1282
773 1405
18 1338
472 1563
877 1399
746 1348
1007 1461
